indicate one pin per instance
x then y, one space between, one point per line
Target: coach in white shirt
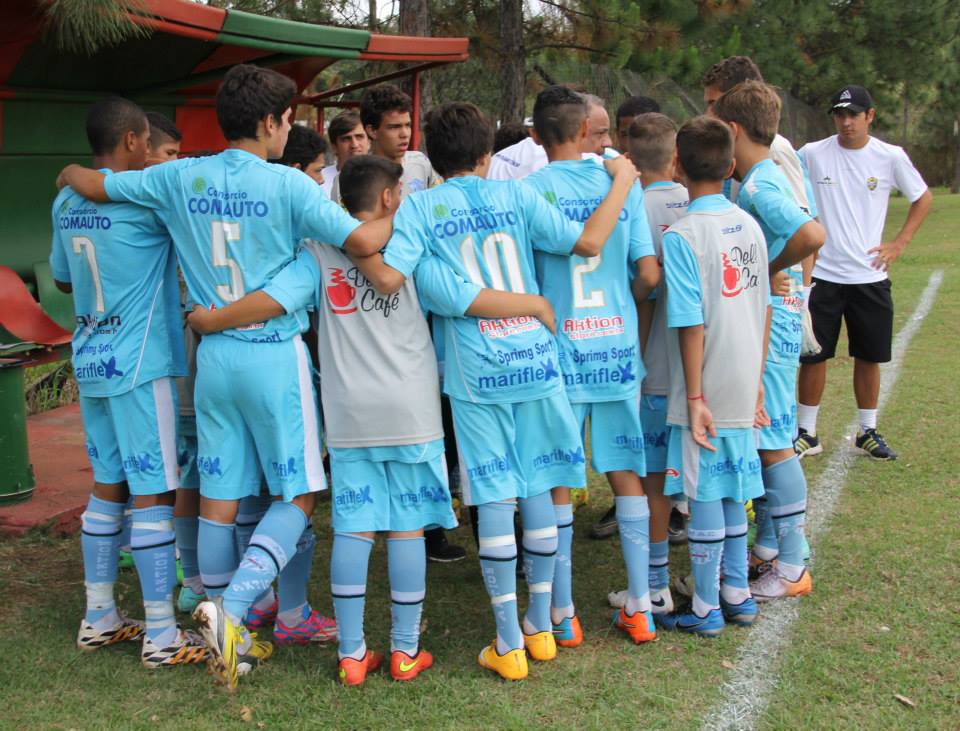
852 175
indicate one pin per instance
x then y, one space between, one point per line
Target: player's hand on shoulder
63 177
621 166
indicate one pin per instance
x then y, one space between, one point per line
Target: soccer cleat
568 633
260 618
758 566
639 626
187 649
188 599
773 586
511 666
89 638
354 672
606 526
541 645
710 626
440 550
617 599
873 443
661 601
806 444
742 614
125 560
677 528
407 667
315 628
224 638
683 585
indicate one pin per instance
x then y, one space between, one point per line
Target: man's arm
254 307
88 183
598 228
889 251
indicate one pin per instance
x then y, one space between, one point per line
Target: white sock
868 419
357 654
558 614
734 594
765 553
700 607
266 601
807 418
637 604
292 617
788 571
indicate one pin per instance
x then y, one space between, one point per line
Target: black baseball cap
855 98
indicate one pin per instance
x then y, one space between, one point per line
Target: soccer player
348 138
118 262
165 139
516 433
305 151
599 351
752 109
715 264
384 430
628 111
235 220
651 144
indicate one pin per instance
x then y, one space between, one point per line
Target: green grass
888 560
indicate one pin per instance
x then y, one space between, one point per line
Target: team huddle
654 300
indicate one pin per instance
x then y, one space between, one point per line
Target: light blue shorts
780 400
256 416
187 452
390 488
133 437
653 417
616 437
517 450
733 471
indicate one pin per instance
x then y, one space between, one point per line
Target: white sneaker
774 586
683 585
617 599
661 601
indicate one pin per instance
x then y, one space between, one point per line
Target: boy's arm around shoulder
87 182
384 278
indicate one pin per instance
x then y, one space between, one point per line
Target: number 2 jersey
119 260
485 231
596 314
236 221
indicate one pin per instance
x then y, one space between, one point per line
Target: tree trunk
513 68
415 21
372 15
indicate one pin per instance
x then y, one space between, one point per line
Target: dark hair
753 105
510 133
162 129
343 124
705 149
458 136
380 99
108 120
651 139
726 74
635 106
304 145
248 95
558 113
363 178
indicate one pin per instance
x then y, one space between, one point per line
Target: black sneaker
871 442
806 444
439 549
677 528
606 526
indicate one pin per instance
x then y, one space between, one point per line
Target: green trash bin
16 472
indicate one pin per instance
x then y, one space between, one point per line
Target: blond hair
753 105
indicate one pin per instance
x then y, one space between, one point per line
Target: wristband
696 398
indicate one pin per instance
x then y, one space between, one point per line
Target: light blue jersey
596 314
766 195
120 262
236 220
485 231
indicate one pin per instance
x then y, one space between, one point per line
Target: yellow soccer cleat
224 640
511 666
542 646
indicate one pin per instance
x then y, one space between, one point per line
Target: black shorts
866 308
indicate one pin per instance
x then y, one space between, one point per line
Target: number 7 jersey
485 231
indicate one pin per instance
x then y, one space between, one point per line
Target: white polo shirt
852 189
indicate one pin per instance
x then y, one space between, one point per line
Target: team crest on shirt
872 183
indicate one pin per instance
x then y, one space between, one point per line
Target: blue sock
633 520
216 555
348 585
765 542
127 523
706 535
272 545
539 555
407 563
786 488
562 600
186 530
659 565
735 551
498 564
155 554
292 582
99 542
250 512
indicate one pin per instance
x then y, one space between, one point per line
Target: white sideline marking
747 692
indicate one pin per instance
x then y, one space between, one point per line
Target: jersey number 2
582 298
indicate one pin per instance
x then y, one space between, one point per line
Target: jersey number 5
83 245
221 233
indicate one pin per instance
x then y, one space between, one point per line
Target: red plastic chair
22 316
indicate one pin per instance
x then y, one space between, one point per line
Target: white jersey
852 188
418 174
517 161
665 204
782 153
330 174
